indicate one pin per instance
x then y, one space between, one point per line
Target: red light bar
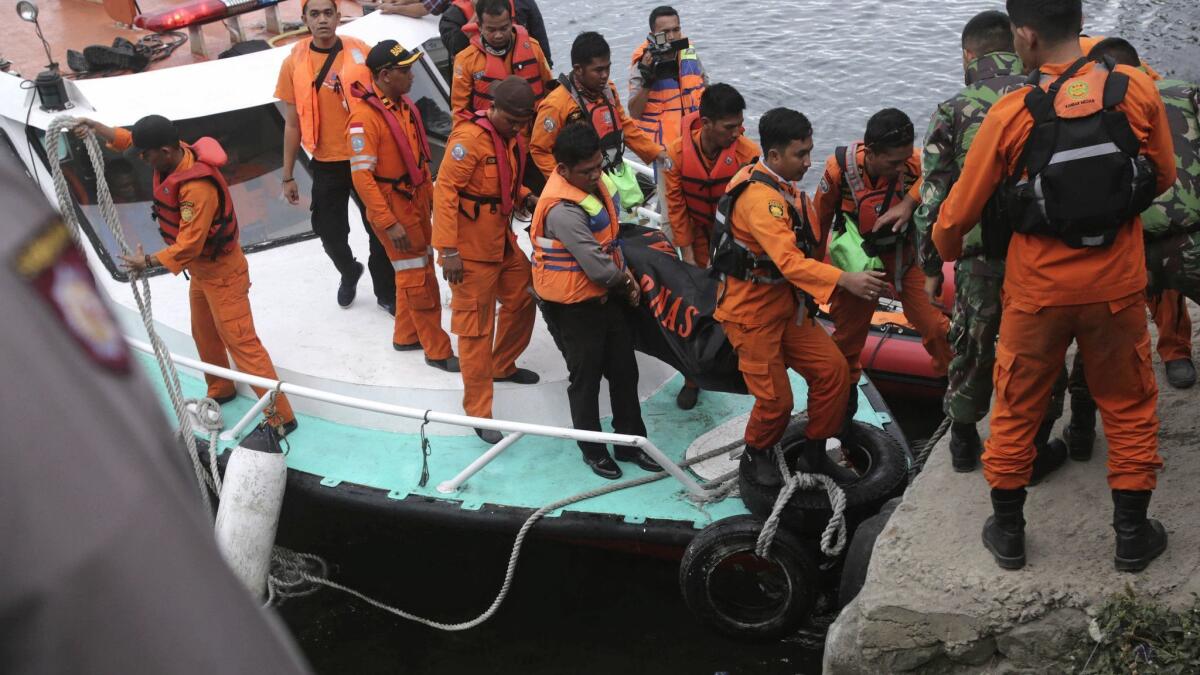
198 13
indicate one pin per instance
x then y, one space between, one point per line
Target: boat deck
75 24
532 473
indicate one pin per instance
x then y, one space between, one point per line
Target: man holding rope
195 214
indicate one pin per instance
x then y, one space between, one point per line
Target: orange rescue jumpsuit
494 268
219 290
394 200
852 315
558 108
765 325
685 230
1054 293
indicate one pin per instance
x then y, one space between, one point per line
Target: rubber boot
847 433
1004 531
811 457
965 446
1139 539
758 466
1080 434
1049 455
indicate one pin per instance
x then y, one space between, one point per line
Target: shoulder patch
357 55
187 211
776 208
548 125
357 142
59 274
669 164
824 185
459 152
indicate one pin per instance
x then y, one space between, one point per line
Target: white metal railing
517 430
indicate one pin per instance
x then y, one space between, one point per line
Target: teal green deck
532 473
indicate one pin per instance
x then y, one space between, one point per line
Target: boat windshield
253 140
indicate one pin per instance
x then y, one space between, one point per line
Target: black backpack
730 257
1079 178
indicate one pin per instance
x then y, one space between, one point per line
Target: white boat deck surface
316 343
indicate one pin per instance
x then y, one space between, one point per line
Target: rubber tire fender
738 535
808 510
858 553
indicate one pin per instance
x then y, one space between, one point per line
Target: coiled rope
295 574
138 283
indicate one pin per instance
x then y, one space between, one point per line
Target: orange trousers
419 311
1174 325
765 352
852 319
1113 341
418 299
488 345
221 326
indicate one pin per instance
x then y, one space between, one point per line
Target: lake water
582 610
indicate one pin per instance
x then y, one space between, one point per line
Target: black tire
858 553
720 577
882 465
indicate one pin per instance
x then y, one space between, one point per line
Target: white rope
141 292
833 539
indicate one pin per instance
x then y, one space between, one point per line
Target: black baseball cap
154 131
389 54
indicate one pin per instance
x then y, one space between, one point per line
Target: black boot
1080 434
1049 455
759 467
812 458
965 446
1004 532
1139 539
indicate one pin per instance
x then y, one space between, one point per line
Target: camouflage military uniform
1171 223
978 280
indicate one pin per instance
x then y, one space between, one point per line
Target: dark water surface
584 610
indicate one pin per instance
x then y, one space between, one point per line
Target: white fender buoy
248 515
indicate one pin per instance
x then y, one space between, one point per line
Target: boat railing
516 430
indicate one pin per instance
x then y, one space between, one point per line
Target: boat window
253 141
433 101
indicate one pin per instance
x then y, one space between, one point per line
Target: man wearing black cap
478 189
195 214
390 169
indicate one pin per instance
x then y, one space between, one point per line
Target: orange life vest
223 232
602 114
703 188
416 165
524 65
510 185
670 99
354 69
865 204
557 275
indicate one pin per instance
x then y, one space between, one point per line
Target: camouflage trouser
973 331
1173 262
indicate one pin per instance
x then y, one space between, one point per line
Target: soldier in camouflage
992 70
